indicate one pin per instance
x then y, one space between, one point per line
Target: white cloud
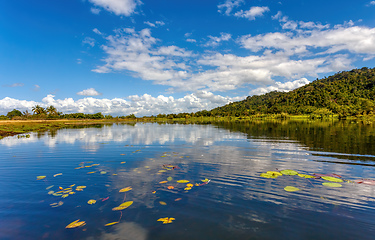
156 24
89 92
371 3
95 30
118 7
252 13
89 41
138 52
95 10
280 87
215 41
191 40
355 39
138 105
227 7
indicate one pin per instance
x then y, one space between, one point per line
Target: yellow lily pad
163 203
305 176
123 206
166 220
182 181
332 184
40 177
332 179
291 189
126 189
288 172
91 201
112 223
75 224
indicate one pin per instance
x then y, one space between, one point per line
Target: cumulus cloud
227 7
355 39
89 92
13 85
139 53
372 3
95 30
215 41
118 7
252 13
280 87
144 105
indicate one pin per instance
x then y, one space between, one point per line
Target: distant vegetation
350 93
345 94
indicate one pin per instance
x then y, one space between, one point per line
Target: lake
144 164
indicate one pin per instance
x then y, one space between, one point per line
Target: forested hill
345 93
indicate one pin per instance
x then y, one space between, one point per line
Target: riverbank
16 127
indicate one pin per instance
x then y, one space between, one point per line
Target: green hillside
348 93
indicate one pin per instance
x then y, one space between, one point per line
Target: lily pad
91 201
40 177
76 223
288 172
166 220
268 175
332 184
291 189
305 176
126 189
123 206
332 179
182 181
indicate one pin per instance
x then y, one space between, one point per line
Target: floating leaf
122 162
91 201
332 184
40 177
163 203
126 189
163 182
268 175
72 193
123 206
153 192
187 188
182 181
275 173
289 172
169 178
170 187
65 195
57 194
103 172
166 220
291 189
332 179
177 199
49 187
80 187
96 164
189 185
161 171
76 223
57 174
57 204
51 192
112 223
305 176
91 172
205 180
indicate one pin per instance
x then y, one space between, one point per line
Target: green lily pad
305 176
268 175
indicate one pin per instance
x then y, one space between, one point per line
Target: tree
51 110
38 110
14 113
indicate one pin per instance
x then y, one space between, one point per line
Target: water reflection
236 204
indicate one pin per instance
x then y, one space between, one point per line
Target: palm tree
51 110
38 110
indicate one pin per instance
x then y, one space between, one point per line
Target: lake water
236 203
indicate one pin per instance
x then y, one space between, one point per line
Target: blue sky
147 57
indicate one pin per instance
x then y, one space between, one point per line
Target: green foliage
350 93
14 113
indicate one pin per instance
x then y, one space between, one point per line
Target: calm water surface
236 204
